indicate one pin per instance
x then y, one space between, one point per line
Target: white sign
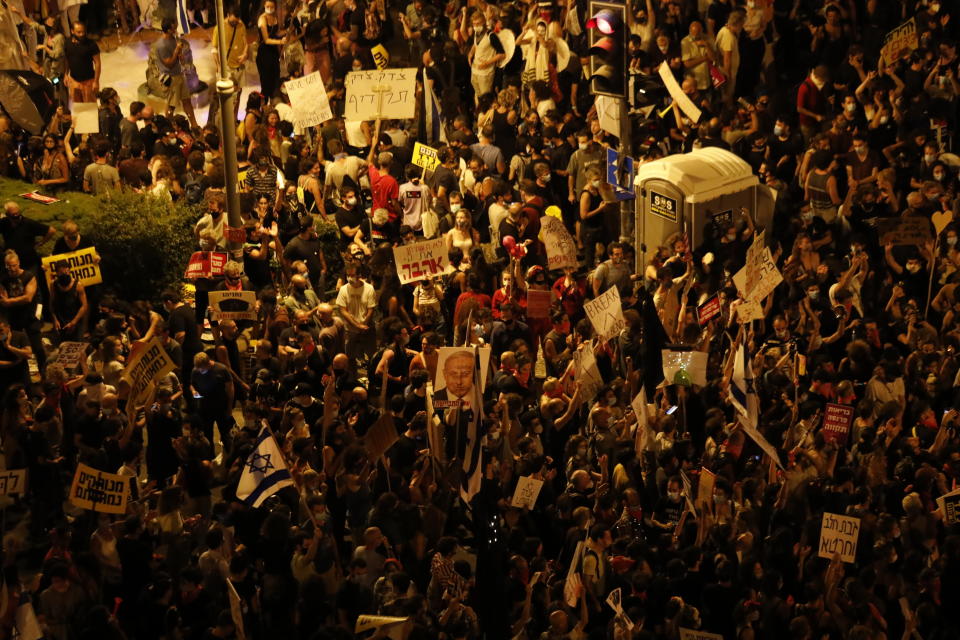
85 117
308 97
71 354
421 260
686 105
759 276
586 372
13 482
644 437
685 367
949 504
525 496
691 634
390 93
839 534
560 245
749 310
606 314
762 442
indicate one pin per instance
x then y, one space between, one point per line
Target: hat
302 389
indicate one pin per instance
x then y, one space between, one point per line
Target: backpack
193 189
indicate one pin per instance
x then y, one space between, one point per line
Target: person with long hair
50 169
272 38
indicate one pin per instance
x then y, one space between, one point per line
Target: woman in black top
268 53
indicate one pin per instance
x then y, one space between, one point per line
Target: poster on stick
839 534
234 305
99 491
427 259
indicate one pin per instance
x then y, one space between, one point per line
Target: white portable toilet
687 191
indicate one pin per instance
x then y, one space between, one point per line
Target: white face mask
813 294
269 10
731 237
884 119
777 130
850 107
952 240
861 151
929 158
455 207
674 496
582 146
939 176
351 201
595 184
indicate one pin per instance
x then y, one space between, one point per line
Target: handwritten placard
308 97
911 230
390 93
606 314
421 260
560 245
526 493
900 41
13 482
839 534
70 355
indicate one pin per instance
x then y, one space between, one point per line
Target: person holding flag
265 471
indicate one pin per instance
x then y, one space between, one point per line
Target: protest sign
26 623
685 367
206 264
421 260
615 601
759 276
390 93
837 419
308 97
235 234
83 265
762 442
39 198
381 437
940 220
13 482
525 495
949 504
445 352
86 117
572 584
749 310
560 245
708 480
236 609
586 372
708 310
365 622
911 230
839 534
425 157
538 303
144 369
99 491
234 305
679 97
70 355
381 57
606 314
900 42
696 634
644 437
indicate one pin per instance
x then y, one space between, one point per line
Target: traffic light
607 39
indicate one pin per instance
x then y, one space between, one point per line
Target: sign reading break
606 314
839 534
421 260
99 491
390 93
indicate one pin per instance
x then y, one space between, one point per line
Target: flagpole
293 478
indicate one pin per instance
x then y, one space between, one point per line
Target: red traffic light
605 21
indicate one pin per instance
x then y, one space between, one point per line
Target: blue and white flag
264 472
183 19
743 393
436 130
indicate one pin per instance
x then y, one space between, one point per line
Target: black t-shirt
80 56
348 218
21 236
306 250
18 371
61 246
211 385
20 315
184 319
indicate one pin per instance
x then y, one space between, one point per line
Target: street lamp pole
226 95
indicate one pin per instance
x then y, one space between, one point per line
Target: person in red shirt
504 293
571 292
384 187
812 102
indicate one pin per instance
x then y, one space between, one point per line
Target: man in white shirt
356 301
485 54
214 220
414 200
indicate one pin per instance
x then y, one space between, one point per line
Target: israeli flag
183 20
743 393
264 472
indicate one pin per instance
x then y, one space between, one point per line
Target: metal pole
225 93
627 207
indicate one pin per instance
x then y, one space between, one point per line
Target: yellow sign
84 265
381 57
99 491
146 368
900 42
426 157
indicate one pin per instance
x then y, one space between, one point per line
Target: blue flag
264 472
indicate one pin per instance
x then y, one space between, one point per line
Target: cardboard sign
679 97
420 260
71 354
949 504
837 420
911 230
760 275
572 582
83 266
749 310
99 491
386 94
606 314
940 220
86 117
839 534
663 206
236 609
147 367
587 373
381 57
695 634
381 436
685 367
538 303
644 437
708 480
525 495
425 157
234 305
13 482
206 264
560 245
308 97
708 310
900 42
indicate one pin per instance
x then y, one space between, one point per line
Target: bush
144 243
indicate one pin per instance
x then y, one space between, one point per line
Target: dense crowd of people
626 538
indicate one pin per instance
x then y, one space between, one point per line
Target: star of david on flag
264 472
743 395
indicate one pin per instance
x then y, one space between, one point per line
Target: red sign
206 264
538 303
235 234
708 310
836 423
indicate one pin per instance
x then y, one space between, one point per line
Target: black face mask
63 279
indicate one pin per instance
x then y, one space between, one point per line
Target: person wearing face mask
68 301
913 272
163 426
486 52
812 102
668 509
586 155
414 198
356 300
394 365
862 163
349 216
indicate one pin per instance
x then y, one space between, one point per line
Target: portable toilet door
662 211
